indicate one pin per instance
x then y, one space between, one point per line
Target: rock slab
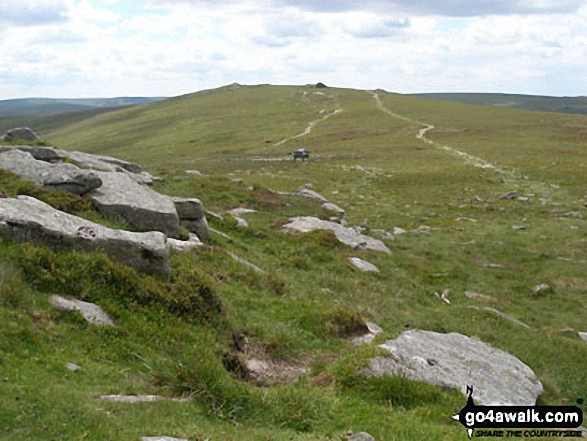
122 199
58 176
25 219
92 313
363 265
348 236
455 361
19 133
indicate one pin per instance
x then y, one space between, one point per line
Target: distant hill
50 106
527 102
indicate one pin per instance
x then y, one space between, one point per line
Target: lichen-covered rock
51 176
26 219
40 153
363 265
92 313
455 361
348 236
122 199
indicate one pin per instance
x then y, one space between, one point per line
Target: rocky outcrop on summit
48 154
348 236
122 199
26 219
454 360
19 133
51 176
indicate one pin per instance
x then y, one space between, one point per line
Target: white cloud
33 12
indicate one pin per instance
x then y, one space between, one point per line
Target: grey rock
73 367
26 219
105 163
188 208
310 194
50 176
245 263
422 229
583 335
238 212
502 315
199 227
518 227
363 265
92 313
369 337
361 436
48 154
333 208
398 231
122 199
345 235
454 360
19 133
131 399
184 245
194 173
214 216
383 234
161 438
479 297
240 222
510 196
543 288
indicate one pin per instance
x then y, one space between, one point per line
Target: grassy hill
366 158
51 106
511 101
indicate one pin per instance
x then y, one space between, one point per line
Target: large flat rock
122 199
455 361
26 219
51 176
41 153
345 235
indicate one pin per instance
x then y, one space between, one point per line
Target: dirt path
309 129
512 176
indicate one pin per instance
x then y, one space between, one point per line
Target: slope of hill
50 106
435 173
511 101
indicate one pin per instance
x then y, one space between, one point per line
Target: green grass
306 302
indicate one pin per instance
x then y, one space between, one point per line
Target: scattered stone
220 233
122 199
479 297
184 245
188 208
199 227
454 360
523 198
363 265
422 229
194 173
59 176
306 192
245 263
25 219
361 436
161 438
345 235
92 313
502 315
214 216
398 231
240 222
73 367
495 265
510 196
443 296
518 227
477 199
333 208
369 337
19 133
583 335
543 288
132 399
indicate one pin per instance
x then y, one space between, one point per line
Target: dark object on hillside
300 154
19 133
321 86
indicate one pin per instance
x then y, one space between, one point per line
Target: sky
108 48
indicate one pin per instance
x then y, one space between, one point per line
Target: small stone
480 297
131 399
363 265
73 367
398 231
518 227
92 314
161 438
194 173
510 196
543 288
361 436
583 335
333 208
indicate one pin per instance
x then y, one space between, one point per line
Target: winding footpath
309 129
466 157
